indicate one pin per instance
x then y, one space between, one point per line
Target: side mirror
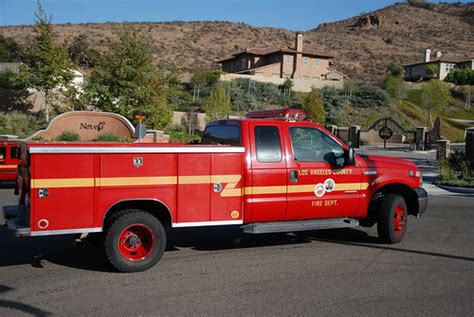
351 156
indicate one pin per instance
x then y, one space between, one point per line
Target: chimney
299 42
438 54
427 55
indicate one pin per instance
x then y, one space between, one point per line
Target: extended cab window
222 134
267 140
14 152
313 145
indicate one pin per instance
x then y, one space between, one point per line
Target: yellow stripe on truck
230 189
7 166
126 181
62 182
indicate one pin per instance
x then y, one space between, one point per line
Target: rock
369 21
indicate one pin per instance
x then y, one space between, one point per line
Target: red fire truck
266 173
8 160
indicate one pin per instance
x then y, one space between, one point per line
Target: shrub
461 77
247 95
367 95
334 102
314 107
178 133
107 137
421 4
20 124
456 171
68 136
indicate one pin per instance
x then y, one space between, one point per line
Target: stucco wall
268 70
300 85
312 70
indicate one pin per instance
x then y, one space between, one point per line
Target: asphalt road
219 271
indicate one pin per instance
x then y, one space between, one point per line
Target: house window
243 63
288 59
317 61
305 60
275 75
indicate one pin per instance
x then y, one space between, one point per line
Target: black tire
392 219
134 241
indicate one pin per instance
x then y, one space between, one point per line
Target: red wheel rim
399 220
136 242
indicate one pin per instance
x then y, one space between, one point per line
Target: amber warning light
279 114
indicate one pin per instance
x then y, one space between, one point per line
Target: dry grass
361 52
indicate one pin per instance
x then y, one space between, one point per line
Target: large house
297 63
443 64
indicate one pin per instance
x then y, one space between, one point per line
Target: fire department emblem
319 190
329 184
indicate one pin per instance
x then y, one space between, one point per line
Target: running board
303 225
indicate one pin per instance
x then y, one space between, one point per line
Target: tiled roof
269 50
443 59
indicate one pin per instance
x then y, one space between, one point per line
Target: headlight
416 174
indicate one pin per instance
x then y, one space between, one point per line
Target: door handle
293 176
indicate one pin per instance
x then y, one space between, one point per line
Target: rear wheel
134 241
392 219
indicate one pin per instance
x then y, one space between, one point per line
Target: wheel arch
408 194
153 206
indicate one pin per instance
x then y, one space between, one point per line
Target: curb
459 190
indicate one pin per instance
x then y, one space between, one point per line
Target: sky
296 15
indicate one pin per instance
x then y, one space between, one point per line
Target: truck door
267 193
321 184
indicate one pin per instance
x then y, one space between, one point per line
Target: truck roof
266 121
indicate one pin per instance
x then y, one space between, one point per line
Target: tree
394 70
395 87
349 88
48 64
217 105
81 53
287 86
434 95
431 70
467 92
203 78
126 82
314 107
10 50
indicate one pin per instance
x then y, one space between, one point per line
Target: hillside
363 45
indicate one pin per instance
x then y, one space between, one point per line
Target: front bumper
422 200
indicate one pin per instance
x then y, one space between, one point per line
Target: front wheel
392 219
134 241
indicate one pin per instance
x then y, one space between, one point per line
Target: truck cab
297 170
8 160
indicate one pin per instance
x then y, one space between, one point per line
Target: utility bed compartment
73 186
